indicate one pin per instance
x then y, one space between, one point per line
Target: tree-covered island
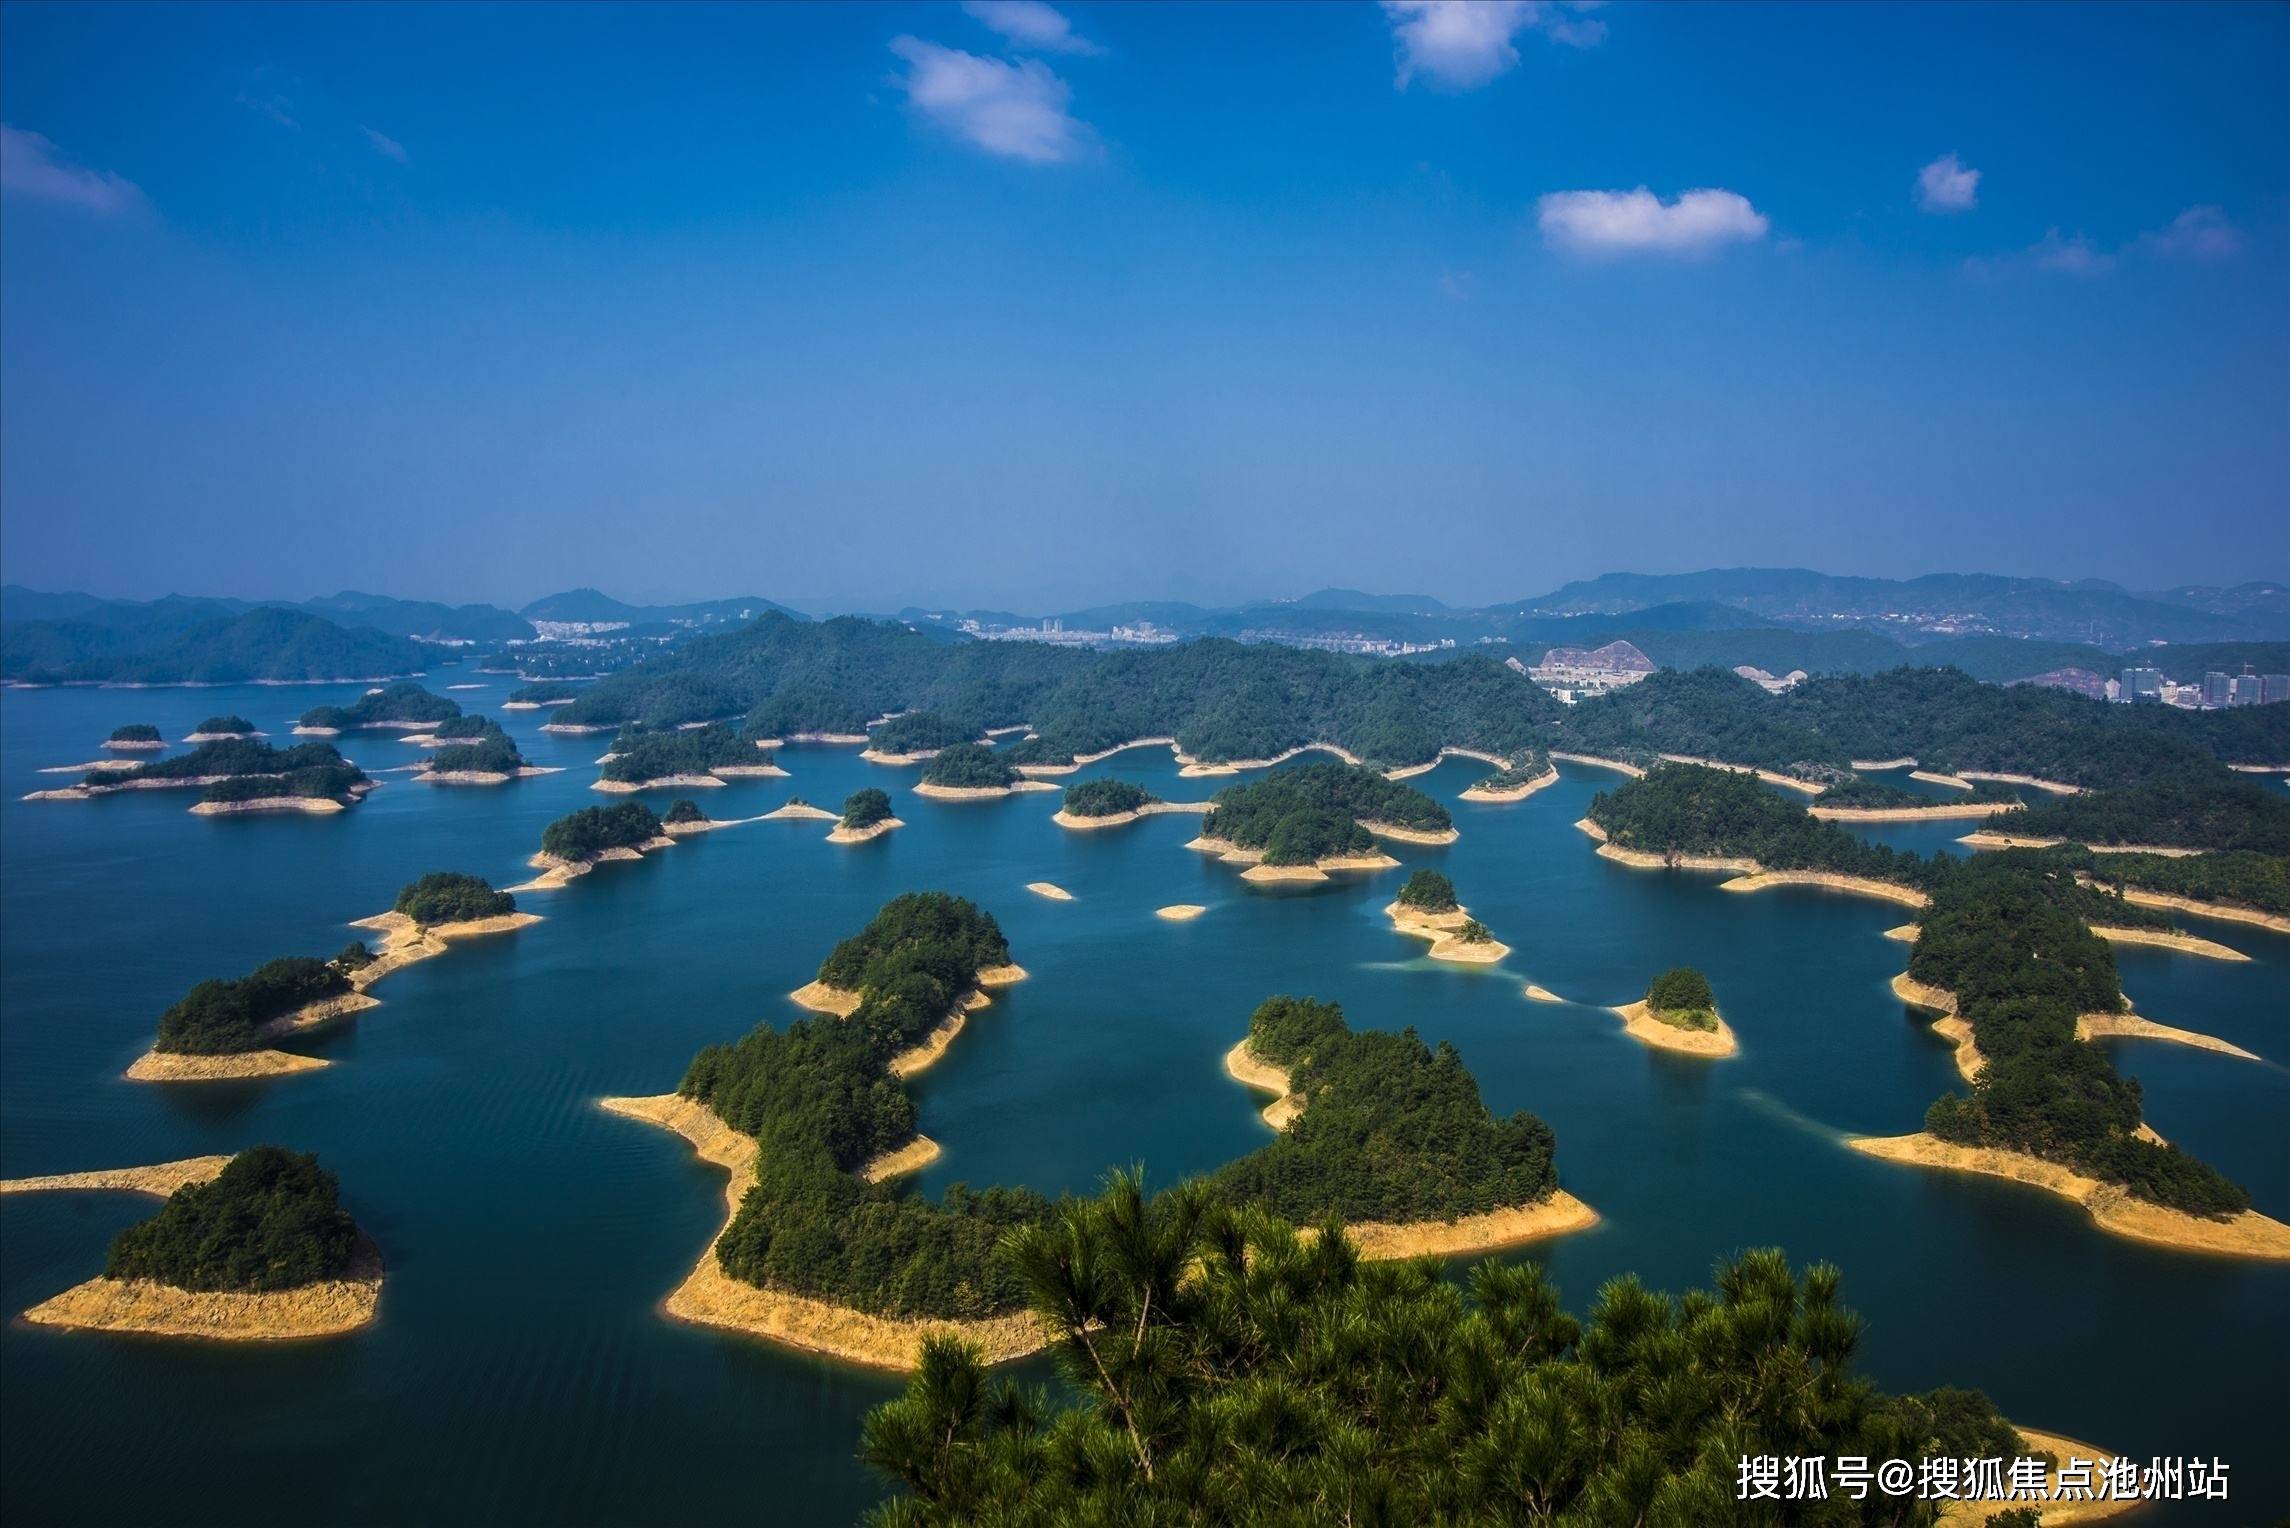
1681 997
1304 814
1105 798
865 807
135 736
578 837
642 757
270 1220
403 704
218 728
969 767
448 896
229 1016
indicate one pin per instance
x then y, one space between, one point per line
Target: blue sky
1016 306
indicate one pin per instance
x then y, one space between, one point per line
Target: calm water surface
520 1371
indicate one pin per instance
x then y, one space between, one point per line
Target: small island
222 729
401 707
1860 800
1679 1013
578 842
915 737
866 814
1426 907
329 784
1097 804
1515 782
796 809
258 1249
135 737
473 750
973 772
307 777
533 697
433 912
1301 822
644 759
224 1028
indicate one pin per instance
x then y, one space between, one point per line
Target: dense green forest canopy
546 692
266 643
224 1017
2210 810
492 752
231 723
1428 891
590 831
649 755
969 766
1531 765
807 708
465 728
402 702
921 927
332 782
448 896
923 732
1300 813
2005 932
1105 798
2235 877
1391 1131
682 811
1225 1369
135 732
232 756
1861 793
271 1220
1681 992
865 807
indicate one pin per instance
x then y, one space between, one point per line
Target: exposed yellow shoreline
1230 853
1180 912
913 1157
1985 839
1066 819
160 1178
710 1297
1595 762
556 873
800 811
316 806
1863 886
2248 1234
1081 759
1049 889
1441 929
1398 834
1640 1023
1939 811
1770 777
2167 939
2226 911
1882 763
2056 787
1519 792
980 792
876 829
1541 994
175 1066
1192 768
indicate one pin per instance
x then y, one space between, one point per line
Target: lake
521 1371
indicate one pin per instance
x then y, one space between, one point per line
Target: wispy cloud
1947 185
275 107
2199 233
31 165
1462 44
1016 110
1030 24
386 146
2202 234
1613 223
1457 285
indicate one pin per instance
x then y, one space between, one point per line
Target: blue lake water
521 1372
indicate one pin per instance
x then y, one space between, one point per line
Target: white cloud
1457 285
2199 233
30 165
2076 257
1017 110
1462 44
1030 24
1946 185
384 145
1599 223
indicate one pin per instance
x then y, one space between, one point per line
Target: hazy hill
265 643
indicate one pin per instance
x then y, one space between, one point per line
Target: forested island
1106 798
224 1027
2202 810
967 770
218 729
2004 945
1318 817
403 705
549 692
598 832
866 814
1515 782
1426 907
260 1249
448 896
644 759
1187 1326
134 737
1389 1128
918 735
238 775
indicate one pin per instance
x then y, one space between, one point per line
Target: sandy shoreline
913 1157
159 1179
2225 911
1180 912
2056 787
1066 819
1939 811
1050 889
1595 762
1639 859
1988 840
877 829
1540 994
980 792
1441 929
1640 1023
1081 759
1861 886
1519 792
1230 853
136 745
877 756
1770 777
327 1309
2248 1234
317 806
800 811
1398 834
657 782
1935 777
710 1297
556 873
1244 1066
175 1066
2166 939
1192 768
1882 763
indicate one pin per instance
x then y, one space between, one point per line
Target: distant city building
2273 688
2142 684
2217 688
2079 681
1570 673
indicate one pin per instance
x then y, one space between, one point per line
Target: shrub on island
1681 996
640 755
354 956
224 1017
1474 932
1308 812
135 732
1532 766
1428 891
1105 798
270 1220
590 831
400 702
225 725
969 766
680 812
865 807
447 896
1229 1369
921 732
